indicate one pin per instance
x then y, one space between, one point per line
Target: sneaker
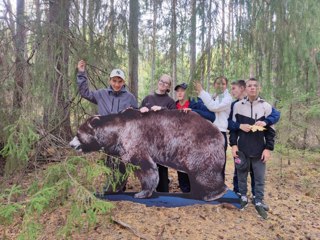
238 194
243 202
265 206
261 211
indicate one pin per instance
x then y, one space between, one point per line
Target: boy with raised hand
238 91
254 145
111 100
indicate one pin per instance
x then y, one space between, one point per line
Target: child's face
116 83
220 85
180 93
236 91
252 89
164 84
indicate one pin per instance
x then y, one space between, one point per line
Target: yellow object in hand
255 128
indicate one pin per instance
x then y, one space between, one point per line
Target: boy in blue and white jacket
238 91
255 145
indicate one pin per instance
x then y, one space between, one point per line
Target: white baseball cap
117 73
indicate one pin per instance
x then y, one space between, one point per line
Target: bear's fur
172 138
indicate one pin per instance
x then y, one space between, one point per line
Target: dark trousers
225 150
235 181
259 169
163 185
184 182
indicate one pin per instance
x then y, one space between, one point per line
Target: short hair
253 79
220 78
239 83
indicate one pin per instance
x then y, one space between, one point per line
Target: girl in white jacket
219 103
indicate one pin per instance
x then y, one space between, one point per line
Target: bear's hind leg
149 178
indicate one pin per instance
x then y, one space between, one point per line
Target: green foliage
30 230
7 212
313 111
69 184
20 137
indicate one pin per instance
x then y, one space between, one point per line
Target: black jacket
252 144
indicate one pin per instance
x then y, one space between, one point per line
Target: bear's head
85 140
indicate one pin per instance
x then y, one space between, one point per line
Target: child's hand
198 87
144 109
265 155
261 123
186 110
81 66
155 108
234 151
245 127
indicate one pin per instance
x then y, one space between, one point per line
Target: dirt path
291 191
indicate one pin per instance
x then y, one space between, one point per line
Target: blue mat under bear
169 200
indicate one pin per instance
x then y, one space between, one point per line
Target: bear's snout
75 143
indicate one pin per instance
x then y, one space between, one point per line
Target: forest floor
292 192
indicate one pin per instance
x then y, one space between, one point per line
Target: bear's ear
94 121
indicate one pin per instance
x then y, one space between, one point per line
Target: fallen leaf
255 128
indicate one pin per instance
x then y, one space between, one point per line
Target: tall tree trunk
20 52
203 26
174 45
232 21
318 69
112 25
91 23
223 38
57 116
154 45
209 45
133 46
84 20
193 39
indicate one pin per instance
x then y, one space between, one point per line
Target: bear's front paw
143 194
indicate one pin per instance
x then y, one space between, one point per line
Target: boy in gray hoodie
110 100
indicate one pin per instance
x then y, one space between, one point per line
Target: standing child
113 99
195 105
254 145
155 102
220 104
238 91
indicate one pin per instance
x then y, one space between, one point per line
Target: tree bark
112 25
174 45
133 46
91 23
154 42
57 114
20 54
209 45
203 26
223 39
193 39
84 19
